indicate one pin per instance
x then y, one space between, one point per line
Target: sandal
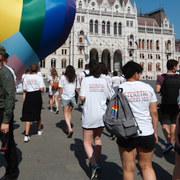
70 133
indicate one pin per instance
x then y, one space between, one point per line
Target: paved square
52 156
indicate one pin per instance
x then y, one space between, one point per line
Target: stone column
112 65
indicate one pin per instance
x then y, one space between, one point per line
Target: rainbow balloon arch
33 29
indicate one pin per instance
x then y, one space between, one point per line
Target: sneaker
57 110
40 132
26 138
51 110
96 170
112 137
168 148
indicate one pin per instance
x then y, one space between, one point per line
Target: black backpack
119 119
170 88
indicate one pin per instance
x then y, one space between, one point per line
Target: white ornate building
111 31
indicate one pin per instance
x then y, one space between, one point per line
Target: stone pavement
52 156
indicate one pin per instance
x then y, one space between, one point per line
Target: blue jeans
69 102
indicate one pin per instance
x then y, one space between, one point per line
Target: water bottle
5 140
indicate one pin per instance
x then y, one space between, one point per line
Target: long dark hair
70 74
54 73
94 69
103 68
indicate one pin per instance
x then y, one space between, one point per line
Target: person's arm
9 99
158 88
154 115
177 130
60 92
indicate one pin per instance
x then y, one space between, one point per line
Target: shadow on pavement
33 128
109 169
62 125
170 157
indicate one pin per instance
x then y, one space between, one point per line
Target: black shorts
93 128
169 114
145 142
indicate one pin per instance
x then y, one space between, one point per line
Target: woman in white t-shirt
143 102
94 93
68 84
26 72
53 91
33 85
115 79
104 73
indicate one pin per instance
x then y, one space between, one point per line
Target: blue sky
171 8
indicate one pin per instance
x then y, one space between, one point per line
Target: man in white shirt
84 74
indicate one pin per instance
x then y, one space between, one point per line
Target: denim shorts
69 102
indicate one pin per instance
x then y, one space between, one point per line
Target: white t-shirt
122 79
68 88
116 81
12 71
139 96
107 78
33 83
95 91
23 76
82 74
39 74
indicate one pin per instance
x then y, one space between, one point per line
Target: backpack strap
85 73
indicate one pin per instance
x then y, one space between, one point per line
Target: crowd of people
94 87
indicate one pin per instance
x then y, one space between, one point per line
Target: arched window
143 44
91 26
80 63
80 39
80 4
168 45
115 28
53 63
108 27
157 45
42 63
63 63
139 43
151 44
158 67
103 27
147 44
150 66
128 10
142 64
119 29
82 33
96 26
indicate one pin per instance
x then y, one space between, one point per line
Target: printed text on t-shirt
96 87
137 96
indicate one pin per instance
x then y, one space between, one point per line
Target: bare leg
56 102
87 141
39 124
27 127
176 173
166 132
51 102
70 112
145 163
66 116
128 162
97 143
172 131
